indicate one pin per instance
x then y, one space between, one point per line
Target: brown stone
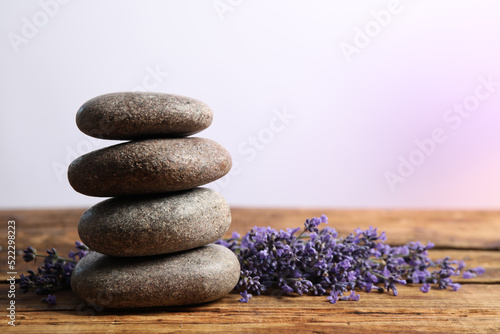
136 115
149 166
190 277
152 225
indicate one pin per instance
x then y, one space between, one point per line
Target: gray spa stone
135 115
152 225
190 277
149 166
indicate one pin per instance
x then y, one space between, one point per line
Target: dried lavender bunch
55 272
318 262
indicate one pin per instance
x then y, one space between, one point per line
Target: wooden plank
473 309
45 217
60 231
447 229
471 235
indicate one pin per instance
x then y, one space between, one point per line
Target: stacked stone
151 242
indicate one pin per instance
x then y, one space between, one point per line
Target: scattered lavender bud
425 287
245 297
353 297
478 270
50 299
468 275
334 296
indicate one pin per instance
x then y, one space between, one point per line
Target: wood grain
470 235
475 308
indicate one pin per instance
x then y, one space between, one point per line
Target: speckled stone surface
149 166
190 277
152 225
134 115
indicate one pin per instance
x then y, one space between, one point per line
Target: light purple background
353 116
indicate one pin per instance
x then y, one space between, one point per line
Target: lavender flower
312 224
478 270
425 287
334 296
245 297
353 297
54 273
319 262
29 254
468 275
50 299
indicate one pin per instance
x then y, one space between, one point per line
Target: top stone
138 115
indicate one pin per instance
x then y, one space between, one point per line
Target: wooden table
470 235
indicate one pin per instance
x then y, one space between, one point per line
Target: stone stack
151 242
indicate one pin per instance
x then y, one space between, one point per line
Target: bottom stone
196 276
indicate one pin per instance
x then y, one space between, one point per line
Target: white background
353 115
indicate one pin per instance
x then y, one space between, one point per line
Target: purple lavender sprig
319 262
54 273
